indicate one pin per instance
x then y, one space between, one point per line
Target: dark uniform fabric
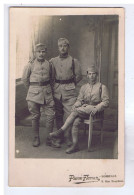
39 97
64 94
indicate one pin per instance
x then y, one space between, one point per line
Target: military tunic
64 94
62 70
37 72
90 96
38 96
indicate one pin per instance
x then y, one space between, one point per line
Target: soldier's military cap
92 68
40 47
64 40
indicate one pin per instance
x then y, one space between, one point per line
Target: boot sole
76 150
55 146
54 136
36 145
52 145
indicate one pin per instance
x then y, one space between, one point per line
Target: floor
24 148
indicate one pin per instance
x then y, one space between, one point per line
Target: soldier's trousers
82 112
75 118
63 109
35 110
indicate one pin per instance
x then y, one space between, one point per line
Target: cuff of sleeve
78 103
98 108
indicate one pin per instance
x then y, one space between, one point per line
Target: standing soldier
66 74
36 78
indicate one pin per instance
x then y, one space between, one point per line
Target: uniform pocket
70 87
56 85
49 90
50 102
48 95
34 91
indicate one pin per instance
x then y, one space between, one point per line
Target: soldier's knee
76 122
35 116
75 129
50 118
74 114
50 110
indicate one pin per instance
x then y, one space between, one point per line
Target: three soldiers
59 99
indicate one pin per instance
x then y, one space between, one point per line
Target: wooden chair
98 117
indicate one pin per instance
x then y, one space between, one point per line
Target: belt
65 81
40 83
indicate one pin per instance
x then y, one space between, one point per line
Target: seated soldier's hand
76 105
93 112
84 105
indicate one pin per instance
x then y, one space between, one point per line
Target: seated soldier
93 97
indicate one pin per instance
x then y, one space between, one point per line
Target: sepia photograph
66 91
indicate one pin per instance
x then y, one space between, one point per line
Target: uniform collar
62 57
93 83
40 60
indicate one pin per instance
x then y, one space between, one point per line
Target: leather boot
48 141
53 143
67 137
59 123
74 147
36 142
57 134
49 129
68 141
35 127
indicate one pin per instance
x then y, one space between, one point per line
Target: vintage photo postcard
66 97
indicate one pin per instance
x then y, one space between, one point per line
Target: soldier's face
40 55
92 76
63 48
